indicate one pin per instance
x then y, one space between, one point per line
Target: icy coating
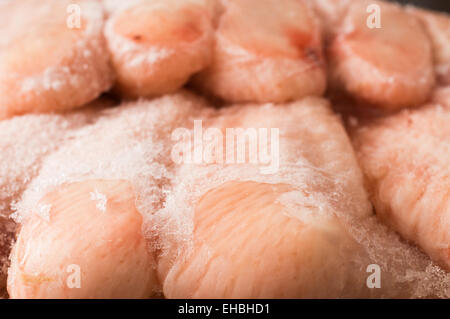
133 142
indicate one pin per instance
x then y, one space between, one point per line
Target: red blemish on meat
298 39
305 44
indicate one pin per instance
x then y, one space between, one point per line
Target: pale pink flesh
246 245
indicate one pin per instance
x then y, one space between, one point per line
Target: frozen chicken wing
406 161
157 45
383 60
53 56
265 51
98 250
247 244
25 141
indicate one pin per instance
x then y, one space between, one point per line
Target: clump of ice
44 211
100 200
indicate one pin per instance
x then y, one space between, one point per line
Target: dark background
441 5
